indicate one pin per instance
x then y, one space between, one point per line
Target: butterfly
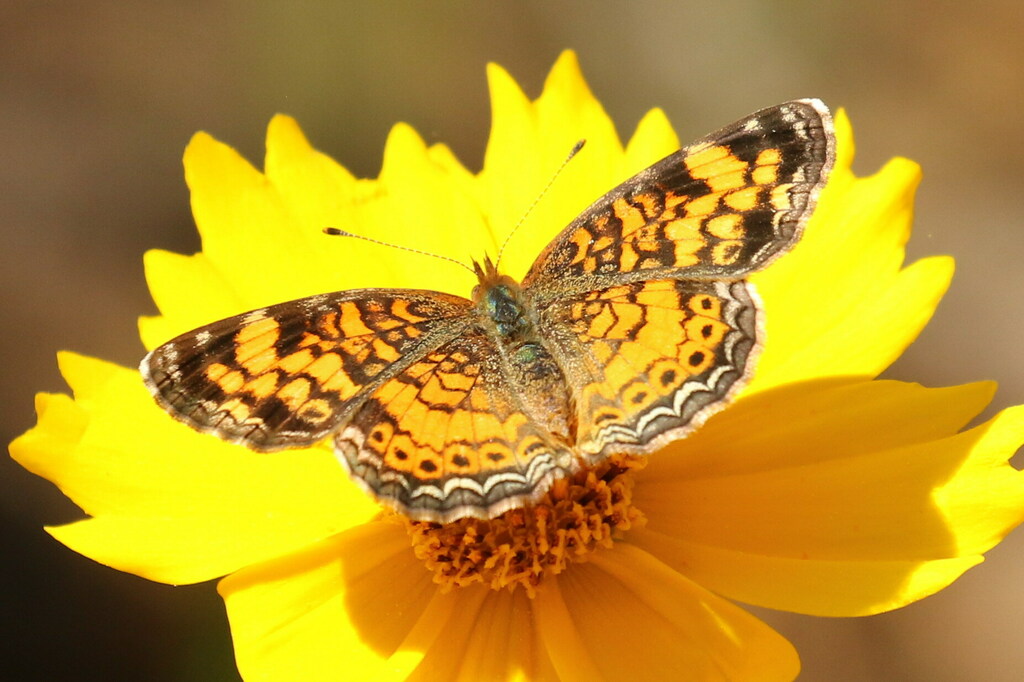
630 329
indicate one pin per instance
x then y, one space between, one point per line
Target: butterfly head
488 277
499 298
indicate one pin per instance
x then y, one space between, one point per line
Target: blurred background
98 99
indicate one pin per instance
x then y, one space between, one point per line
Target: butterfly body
509 317
633 326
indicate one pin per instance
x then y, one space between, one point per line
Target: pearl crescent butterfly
631 328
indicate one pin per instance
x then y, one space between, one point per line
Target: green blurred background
97 100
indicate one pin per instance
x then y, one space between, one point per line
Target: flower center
579 514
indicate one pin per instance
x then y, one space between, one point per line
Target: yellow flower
820 490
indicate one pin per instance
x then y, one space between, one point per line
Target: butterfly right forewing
288 375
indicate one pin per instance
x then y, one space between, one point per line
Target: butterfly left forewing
717 209
288 375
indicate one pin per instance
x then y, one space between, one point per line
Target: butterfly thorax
505 313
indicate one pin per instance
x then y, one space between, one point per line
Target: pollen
581 514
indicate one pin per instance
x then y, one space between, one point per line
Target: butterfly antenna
575 150
335 232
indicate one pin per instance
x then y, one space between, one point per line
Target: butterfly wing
289 374
642 297
718 209
652 360
449 437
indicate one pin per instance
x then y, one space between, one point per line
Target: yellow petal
570 652
86 376
841 500
428 634
248 235
567 108
510 162
418 205
984 499
816 587
313 191
340 608
817 491
189 291
468 189
61 423
529 143
184 548
475 634
625 615
314 186
653 139
813 422
874 331
123 460
839 304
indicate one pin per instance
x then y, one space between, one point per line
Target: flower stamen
579 514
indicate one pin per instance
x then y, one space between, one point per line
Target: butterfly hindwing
450 436
653 360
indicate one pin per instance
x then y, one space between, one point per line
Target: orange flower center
578 515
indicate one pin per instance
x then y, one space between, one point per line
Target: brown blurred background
98 99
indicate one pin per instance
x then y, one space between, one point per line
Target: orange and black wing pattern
720 208
651 361
450 436
643 295
289 374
